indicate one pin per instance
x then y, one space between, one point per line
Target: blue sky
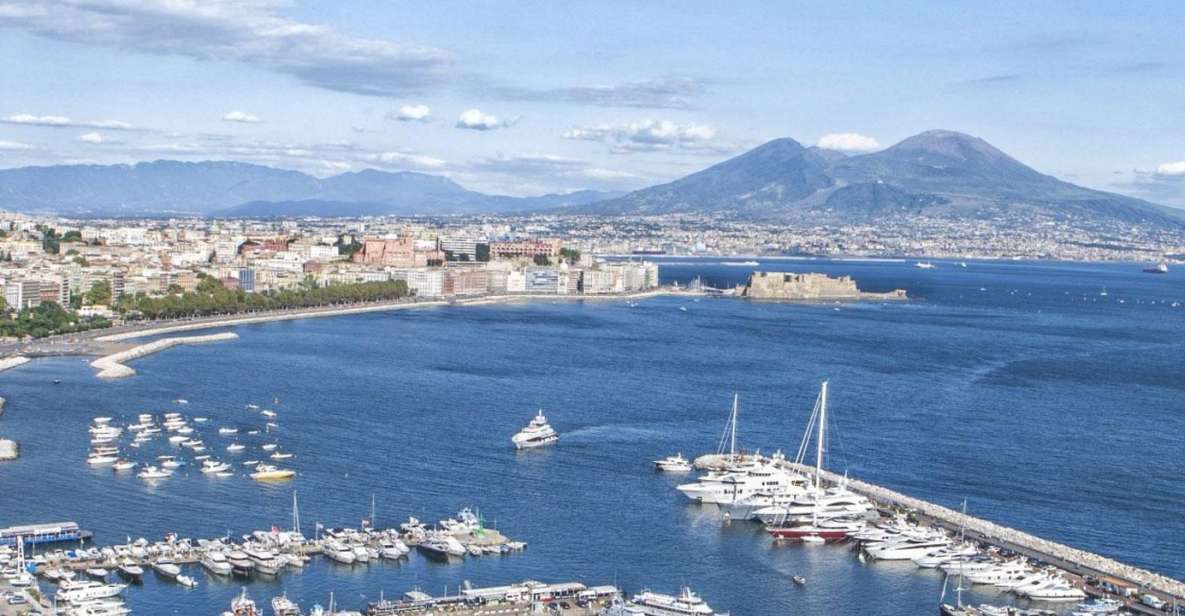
533 97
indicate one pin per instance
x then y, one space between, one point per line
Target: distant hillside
241 189
936 173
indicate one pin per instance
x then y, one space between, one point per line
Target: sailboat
813 530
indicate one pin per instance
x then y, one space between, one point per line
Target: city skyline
536 98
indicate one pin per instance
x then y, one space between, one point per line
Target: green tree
99 294
571 255
542 260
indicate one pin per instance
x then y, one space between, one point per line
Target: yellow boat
266 472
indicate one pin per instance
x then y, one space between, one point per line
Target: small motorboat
673 464
798 579
186 581
123 465
813 540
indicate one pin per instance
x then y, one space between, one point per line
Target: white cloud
1173 168
412 113
664 93
406 160
646 135
92 138
13 145
252 32
848 142
598 173
241 116
475 119
55 121
336 166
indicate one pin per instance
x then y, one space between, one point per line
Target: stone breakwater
112 366
1049 551
12 362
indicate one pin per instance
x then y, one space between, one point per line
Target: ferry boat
650 603
32 534
538 433
673 464
1159 268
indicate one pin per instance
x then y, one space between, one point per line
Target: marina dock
1124 580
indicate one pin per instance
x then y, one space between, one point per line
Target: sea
1048 396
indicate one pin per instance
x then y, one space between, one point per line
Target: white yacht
152 472
214 466
673 464
166 568
907 549
86 590
538 433
739 487
834 503
215 562
338 552
393 549
650 603
440 543
264 560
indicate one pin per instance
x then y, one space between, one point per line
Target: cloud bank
848 142
251 32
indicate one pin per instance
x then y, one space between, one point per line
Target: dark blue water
1016 386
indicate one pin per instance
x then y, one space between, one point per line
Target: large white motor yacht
538 433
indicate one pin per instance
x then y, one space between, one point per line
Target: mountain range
233 189
937 173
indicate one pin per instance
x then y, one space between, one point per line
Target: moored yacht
283 606
673 464
538 433
650 603
215 562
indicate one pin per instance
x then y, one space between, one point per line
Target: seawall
112 366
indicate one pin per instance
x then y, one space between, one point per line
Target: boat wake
614 434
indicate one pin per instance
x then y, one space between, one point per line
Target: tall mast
732 447
822 435
372 524
295 514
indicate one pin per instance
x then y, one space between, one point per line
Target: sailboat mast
295 514
372 524
822 435
732 447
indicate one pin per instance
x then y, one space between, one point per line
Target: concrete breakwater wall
112 366
12 362
1049 551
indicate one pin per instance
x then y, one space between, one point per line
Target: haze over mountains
222 188
936 173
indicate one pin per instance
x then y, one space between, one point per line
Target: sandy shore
113 367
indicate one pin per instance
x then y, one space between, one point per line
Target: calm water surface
1019 387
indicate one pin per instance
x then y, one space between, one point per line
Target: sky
527 98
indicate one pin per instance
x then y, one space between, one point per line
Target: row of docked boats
765 489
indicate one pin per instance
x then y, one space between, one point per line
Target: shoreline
311 313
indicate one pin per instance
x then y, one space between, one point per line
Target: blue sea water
1016 386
